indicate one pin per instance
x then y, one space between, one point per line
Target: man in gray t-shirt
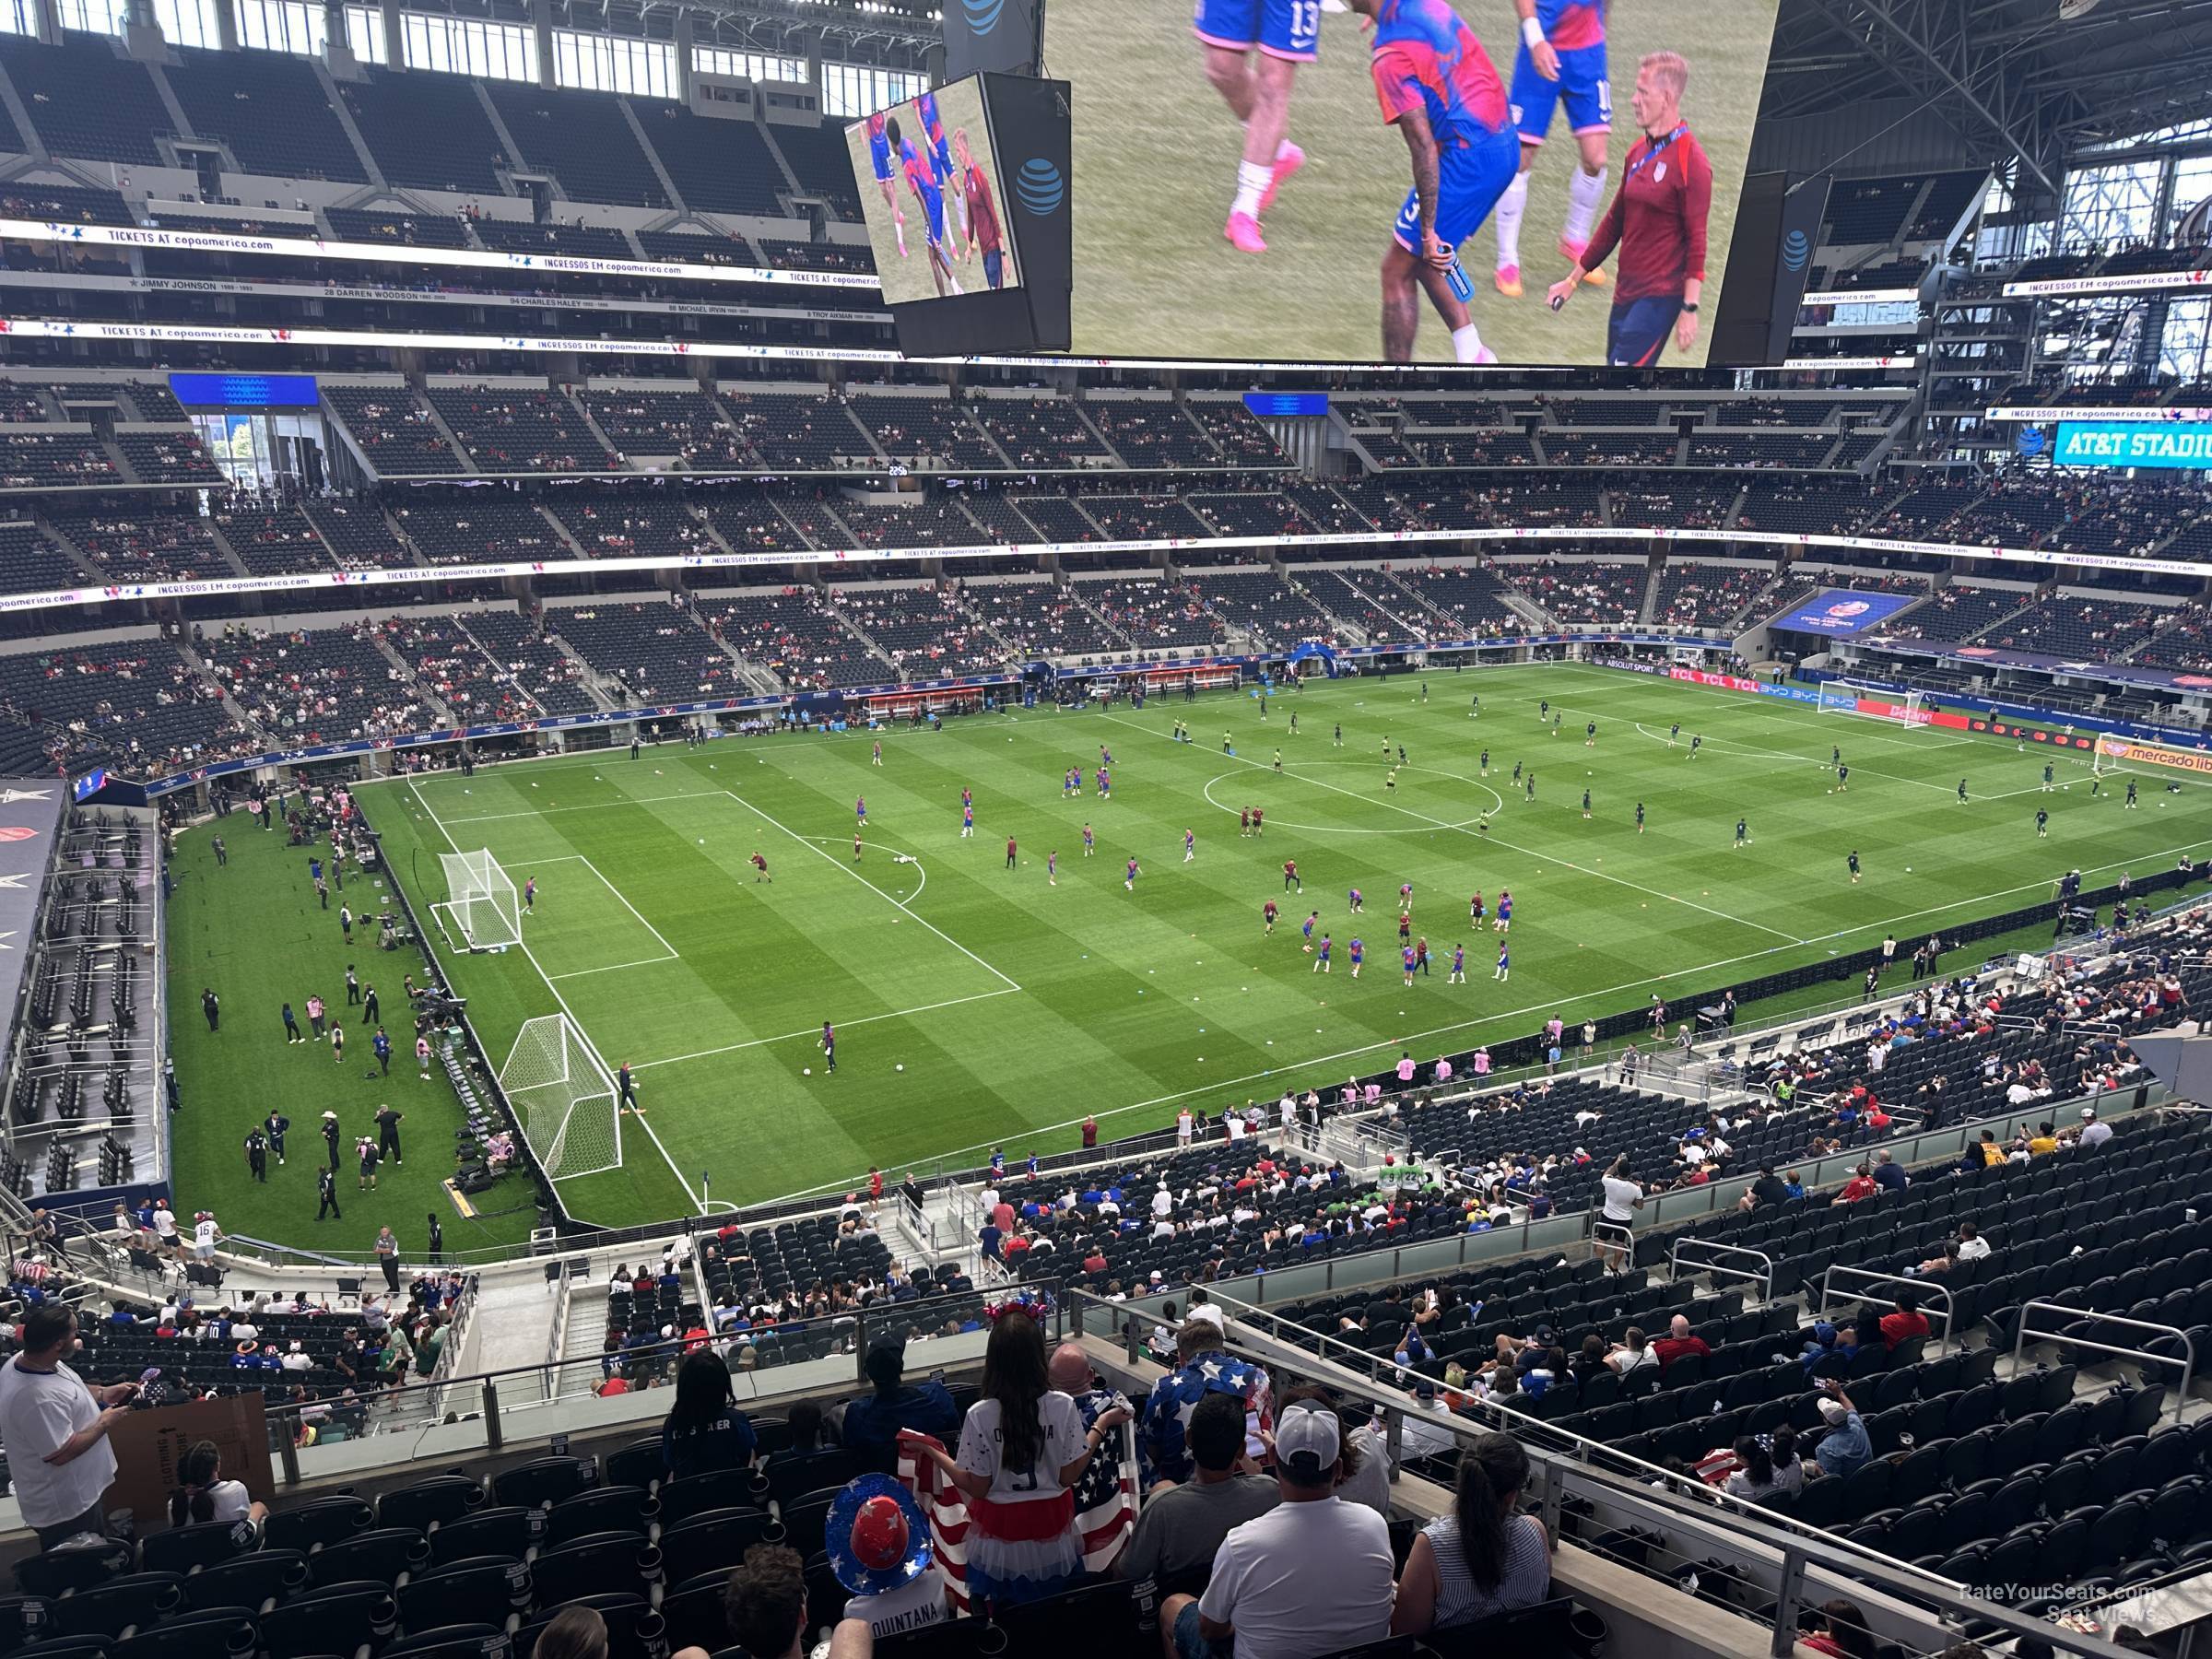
1182 1525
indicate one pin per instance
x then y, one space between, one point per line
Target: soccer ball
899 1068
805 1071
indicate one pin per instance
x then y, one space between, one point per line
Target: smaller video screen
929 185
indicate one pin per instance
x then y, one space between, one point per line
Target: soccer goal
481 910
565 1098
1872 703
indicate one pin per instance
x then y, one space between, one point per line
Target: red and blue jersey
920 174
1571 24
926 106
1426 59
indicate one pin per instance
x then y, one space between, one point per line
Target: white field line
731 1048
495 818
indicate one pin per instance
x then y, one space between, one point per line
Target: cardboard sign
149 1444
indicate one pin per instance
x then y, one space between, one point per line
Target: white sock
1253 179
1467 345
1585 196
1506 216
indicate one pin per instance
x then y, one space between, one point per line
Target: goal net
481 903
565 1098
1872 703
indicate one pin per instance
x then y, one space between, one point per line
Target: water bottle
1454 274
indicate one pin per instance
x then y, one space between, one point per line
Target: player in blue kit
1129 877
1504 923
967 822
1252 49
1320 962
1091 844
1459 965
1505 965
1359 952
1190 845
860 810
1406 951
879 156
1561 61
1439 89
922 179
1307 929
940 163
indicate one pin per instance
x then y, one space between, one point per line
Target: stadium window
600 62
365 33
851 90
281 26
19 17
751 65
188 22
467 46
92 16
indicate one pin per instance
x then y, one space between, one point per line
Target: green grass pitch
1155 159
977 1005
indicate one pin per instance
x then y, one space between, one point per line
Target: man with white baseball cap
1312 1575
2095 1132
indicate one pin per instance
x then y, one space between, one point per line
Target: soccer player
1640 817
1528 787
1405 895
760 870
2129 804
1420 954
1405 926
922 179
2043 822
1359 950
1475 912
1673 733
1306 929
879 155
860 812
1696 743
1190 846
1294 723
828 1046
1543 710
1009 851
1244 821
1129 875
1844 780
1320 961
1657 219
1439 89
1358 900
2047 785
1339 734
1227 747
529 895
1278 760
1589 734
1252 49
1459 965
1105 784
967 822
1835 756
1475 708
1743 835
1091 844
1586 803
1406 957
1268 914
1516 772
940 159
1259 822
1555 725
1504 923
1486 763
1854 863
978 209
877 758
1052 868
1390 780
1962 793
1293 883
1505 965
1561 58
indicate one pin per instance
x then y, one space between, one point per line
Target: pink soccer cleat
1507 281
1289 162
1243 233
1485 356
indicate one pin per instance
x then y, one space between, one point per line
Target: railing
1763 1276
1921 1286
1796 1565
2022 1336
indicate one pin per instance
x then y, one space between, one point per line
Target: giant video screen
1406 179
930 191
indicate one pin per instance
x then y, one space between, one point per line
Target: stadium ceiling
2014 78
782 25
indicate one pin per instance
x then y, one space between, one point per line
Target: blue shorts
1581 83
1636 333
1290 29
940 160
995 265
1192 1644
880 152
1470 179
932 215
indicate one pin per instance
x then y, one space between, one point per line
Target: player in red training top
1657 217
984 235
1439 89
1561 60
1252 49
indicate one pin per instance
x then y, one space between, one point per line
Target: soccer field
1155 159
978 1004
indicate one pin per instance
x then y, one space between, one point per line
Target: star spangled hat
877 1536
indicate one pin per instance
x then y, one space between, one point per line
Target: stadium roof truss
2022 85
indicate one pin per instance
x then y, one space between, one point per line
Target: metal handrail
1921 1286
1665 1499
1765 1277
2187 1362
